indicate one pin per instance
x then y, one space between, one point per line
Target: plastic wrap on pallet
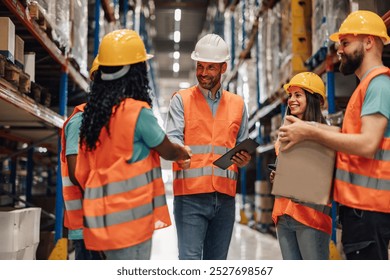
262 35
327 18
337 12
273 50
285 70
49 7
63 24
247 84
248 12
228 31
79 49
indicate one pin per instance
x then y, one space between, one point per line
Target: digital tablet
249 145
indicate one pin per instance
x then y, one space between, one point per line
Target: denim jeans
300 242
204 224
82 253
140 251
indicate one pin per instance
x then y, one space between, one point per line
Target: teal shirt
148 134
72 132
377 99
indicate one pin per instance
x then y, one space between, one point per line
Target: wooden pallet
36 91
38 14
24 83
2 65
45 97
12 73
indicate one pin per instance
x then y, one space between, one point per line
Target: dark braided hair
313 108
105 95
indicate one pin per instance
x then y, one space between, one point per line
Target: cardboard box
305 173
19 52
29 65
19 232
27 253
7 38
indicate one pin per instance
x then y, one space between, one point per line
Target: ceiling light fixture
176 36
176 67
177 15
176 55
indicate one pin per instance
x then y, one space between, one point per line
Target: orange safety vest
310 214
363 183
123 202
209 137
73 197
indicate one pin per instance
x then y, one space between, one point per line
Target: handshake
186 162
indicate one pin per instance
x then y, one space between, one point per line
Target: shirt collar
369 70
207 94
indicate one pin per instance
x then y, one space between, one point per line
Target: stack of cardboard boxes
12 58
19 233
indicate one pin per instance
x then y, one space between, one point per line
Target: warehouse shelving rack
23 119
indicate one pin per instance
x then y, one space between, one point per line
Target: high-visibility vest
361 182
310 214
73 197
124 202
209 137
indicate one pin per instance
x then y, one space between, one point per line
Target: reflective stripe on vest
309 214
209 137
361 182
123 201
206 171
119 217
73 214
123 186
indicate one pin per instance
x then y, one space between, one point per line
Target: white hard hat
211 48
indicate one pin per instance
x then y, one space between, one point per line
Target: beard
208 82
351 62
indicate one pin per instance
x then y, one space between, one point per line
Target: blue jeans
300 242
204 224
140 251
82 253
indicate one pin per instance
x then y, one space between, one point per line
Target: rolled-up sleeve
175 120
243 133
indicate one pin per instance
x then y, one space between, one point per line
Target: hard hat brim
196 58
335 37
102 63
288 85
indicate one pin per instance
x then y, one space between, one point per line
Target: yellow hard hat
122 47
308 81
94 67
363 22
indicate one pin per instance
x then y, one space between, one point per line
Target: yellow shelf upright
301 34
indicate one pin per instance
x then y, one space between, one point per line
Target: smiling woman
306 95
300 235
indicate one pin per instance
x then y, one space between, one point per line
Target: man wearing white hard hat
362 180
211 121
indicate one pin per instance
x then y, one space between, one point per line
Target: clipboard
249 145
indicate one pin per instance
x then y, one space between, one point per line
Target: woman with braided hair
118 165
